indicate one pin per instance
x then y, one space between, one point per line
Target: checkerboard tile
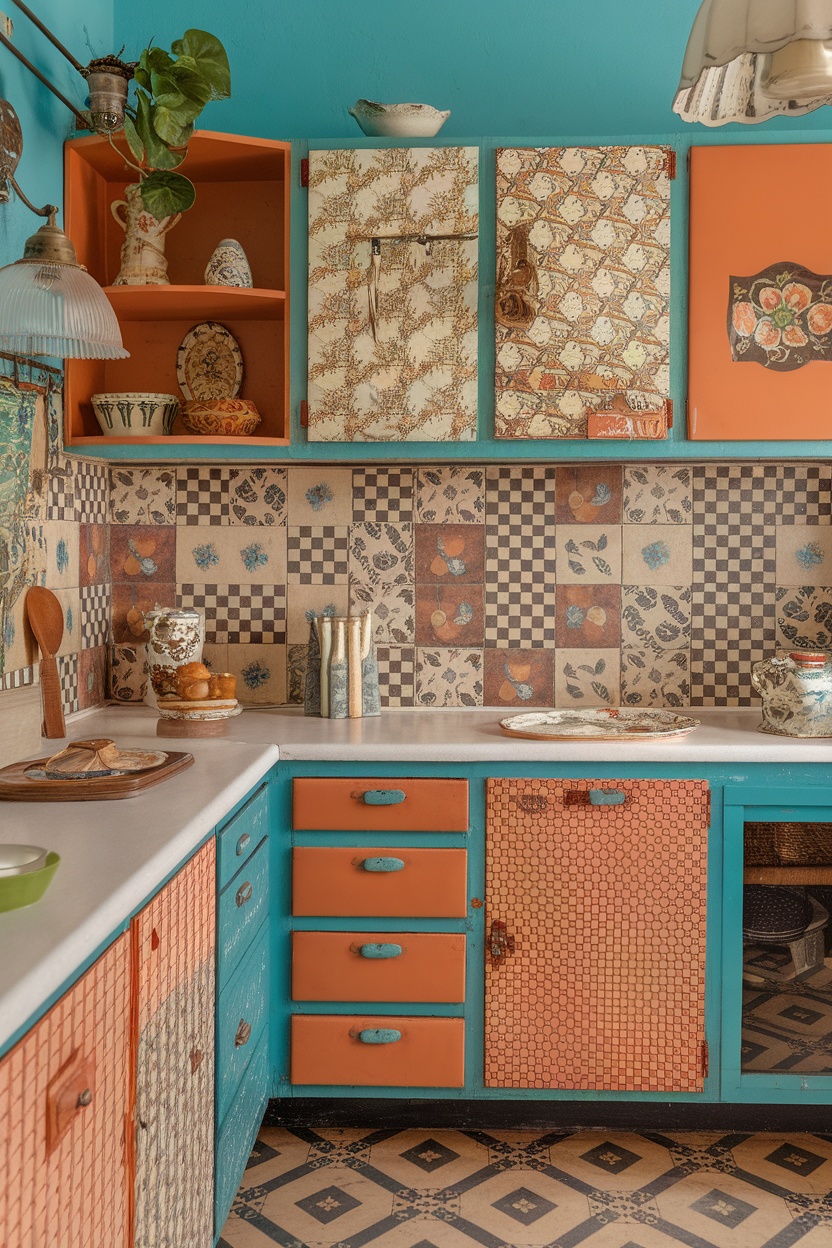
517 496
60 492
396 674
91 491
203 495
18 678
238 614
805 494
318 555
734 514
731 631
382 495
95 615
519 586
68 675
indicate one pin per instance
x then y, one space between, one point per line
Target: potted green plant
171 90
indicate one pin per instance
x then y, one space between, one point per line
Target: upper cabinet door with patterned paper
583 286
393 295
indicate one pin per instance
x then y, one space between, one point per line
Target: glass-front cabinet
777 946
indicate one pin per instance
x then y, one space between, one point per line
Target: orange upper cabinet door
760 324
380 805
386 883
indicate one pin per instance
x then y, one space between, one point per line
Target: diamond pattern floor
459 1189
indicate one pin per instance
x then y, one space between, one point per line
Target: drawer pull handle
379 1035
244 893
380 952
383 866
243 843
243 1034
594 797
383 797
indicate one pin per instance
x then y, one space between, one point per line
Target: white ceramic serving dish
20 859
398 120
599 724
135 414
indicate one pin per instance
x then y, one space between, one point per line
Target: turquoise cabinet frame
769 804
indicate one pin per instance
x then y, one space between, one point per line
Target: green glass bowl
26 889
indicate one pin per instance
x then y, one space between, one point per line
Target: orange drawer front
347 805
334 880
330 966
327 1049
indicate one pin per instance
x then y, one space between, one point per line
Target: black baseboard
543 1115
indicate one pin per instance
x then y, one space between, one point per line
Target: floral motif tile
383 495
653 677
583 285
381 553
396 675
450 494
70 600
92 677
140 552
588 494
393 608
215 656
303 600
658 554
129 604
657 494
63 559
449 615
128 672
142 496
228 555
446 677
804 617
804 554
588 554
94 553
519 678
450 553
320 495
587 678
260 672
655 617
392 337
588 617
258 496
295 674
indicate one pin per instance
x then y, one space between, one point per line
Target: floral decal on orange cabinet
393 294
583 285
781 317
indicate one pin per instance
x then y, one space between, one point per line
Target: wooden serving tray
16 786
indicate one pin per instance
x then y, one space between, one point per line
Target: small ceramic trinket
797 694
228 265
398 120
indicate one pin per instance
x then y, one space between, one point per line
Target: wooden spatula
46 619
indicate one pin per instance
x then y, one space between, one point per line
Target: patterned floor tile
450 494
305 601
382 495
658 678
142 552
94 554
226 555
261 673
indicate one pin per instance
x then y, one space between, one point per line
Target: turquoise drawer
242 1011
240 837
238 1132
243 905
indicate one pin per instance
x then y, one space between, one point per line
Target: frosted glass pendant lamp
748 60
49 304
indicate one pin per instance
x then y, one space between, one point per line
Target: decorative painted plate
200 713
603 724
209 363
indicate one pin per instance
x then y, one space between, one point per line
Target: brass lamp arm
48 210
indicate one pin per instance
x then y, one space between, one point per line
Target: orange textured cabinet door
595 957
386 883
64 1102
173 954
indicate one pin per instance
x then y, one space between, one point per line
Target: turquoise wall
86 29
541 67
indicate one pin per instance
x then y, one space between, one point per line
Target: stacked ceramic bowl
135 413
209 369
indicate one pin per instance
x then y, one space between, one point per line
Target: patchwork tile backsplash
505 585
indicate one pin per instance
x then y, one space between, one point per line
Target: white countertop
116 854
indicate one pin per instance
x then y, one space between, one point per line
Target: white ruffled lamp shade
748 60
49 304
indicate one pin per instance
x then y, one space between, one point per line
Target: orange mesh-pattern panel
173 949
77 1196
605 906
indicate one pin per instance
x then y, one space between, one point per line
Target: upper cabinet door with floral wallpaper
583 286
392 298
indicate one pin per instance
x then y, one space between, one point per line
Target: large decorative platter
603 724
209 363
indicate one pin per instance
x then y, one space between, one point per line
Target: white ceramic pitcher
143 260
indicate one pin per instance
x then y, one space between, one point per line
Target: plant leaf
131 134
165 193
210 58
156 154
